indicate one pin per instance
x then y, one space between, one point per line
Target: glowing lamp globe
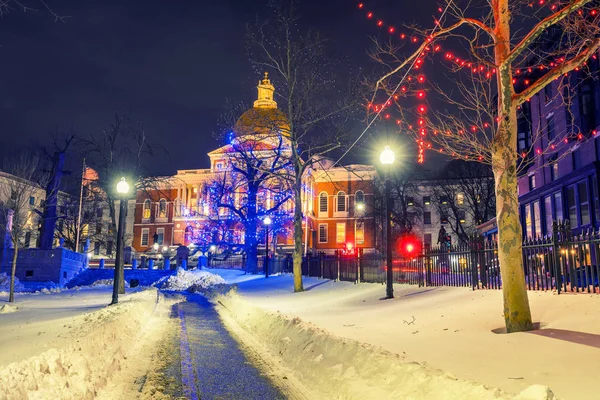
387 156
165 248
123 186
267 220
155 246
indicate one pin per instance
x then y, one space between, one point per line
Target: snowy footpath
343 341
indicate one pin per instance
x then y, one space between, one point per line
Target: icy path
219 367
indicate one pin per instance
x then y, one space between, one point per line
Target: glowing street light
387 158
118 281
267 221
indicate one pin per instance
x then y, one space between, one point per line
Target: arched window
359 197
323 202
146 210
178 207
341 202
162 208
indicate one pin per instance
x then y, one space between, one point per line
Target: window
31 201
584 203
162 208
359 197
323 202
550 130
427 240
531 181
28 239
99 213
547 93
341 202
427 218
444 199
537 217
572 206
340 233
528 221
558 206
461 216
443 218
359 233
576 157
109 247
28 273
145 237
96 248
161 235
548 214
98 229
189 233
554 167
410 201
460 199
322 233
427 200
596 199
146 211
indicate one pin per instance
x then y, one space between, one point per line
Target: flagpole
80 205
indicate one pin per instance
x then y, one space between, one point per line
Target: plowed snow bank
339 368
99 347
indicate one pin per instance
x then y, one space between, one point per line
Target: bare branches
8 6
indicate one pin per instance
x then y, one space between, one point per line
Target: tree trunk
297 260
517 315
13 272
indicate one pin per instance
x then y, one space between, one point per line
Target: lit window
340 233
162 208
160 232
427 200
460 199
146 212
359 235
410 201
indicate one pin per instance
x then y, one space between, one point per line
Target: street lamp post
119 283
387 158
267 221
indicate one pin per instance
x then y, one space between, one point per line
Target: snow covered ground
69 345
447 329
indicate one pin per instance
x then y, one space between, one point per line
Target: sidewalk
451 329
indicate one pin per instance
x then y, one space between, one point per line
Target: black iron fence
561 262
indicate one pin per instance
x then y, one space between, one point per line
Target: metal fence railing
561 262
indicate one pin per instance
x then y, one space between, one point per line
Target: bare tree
307 90
552 39
119 151
406 211
9 6
21 180
465 192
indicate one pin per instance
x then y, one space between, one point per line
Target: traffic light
410 246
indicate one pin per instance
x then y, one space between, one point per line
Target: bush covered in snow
193 281
5 283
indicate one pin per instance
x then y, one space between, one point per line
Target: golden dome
264 118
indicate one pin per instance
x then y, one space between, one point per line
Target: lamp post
387 158
267 221
119 283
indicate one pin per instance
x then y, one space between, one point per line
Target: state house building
338 202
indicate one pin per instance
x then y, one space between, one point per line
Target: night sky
173 64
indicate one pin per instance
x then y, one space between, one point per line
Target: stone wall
57 265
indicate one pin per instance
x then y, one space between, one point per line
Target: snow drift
191 281
99 346
339 368
5 283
